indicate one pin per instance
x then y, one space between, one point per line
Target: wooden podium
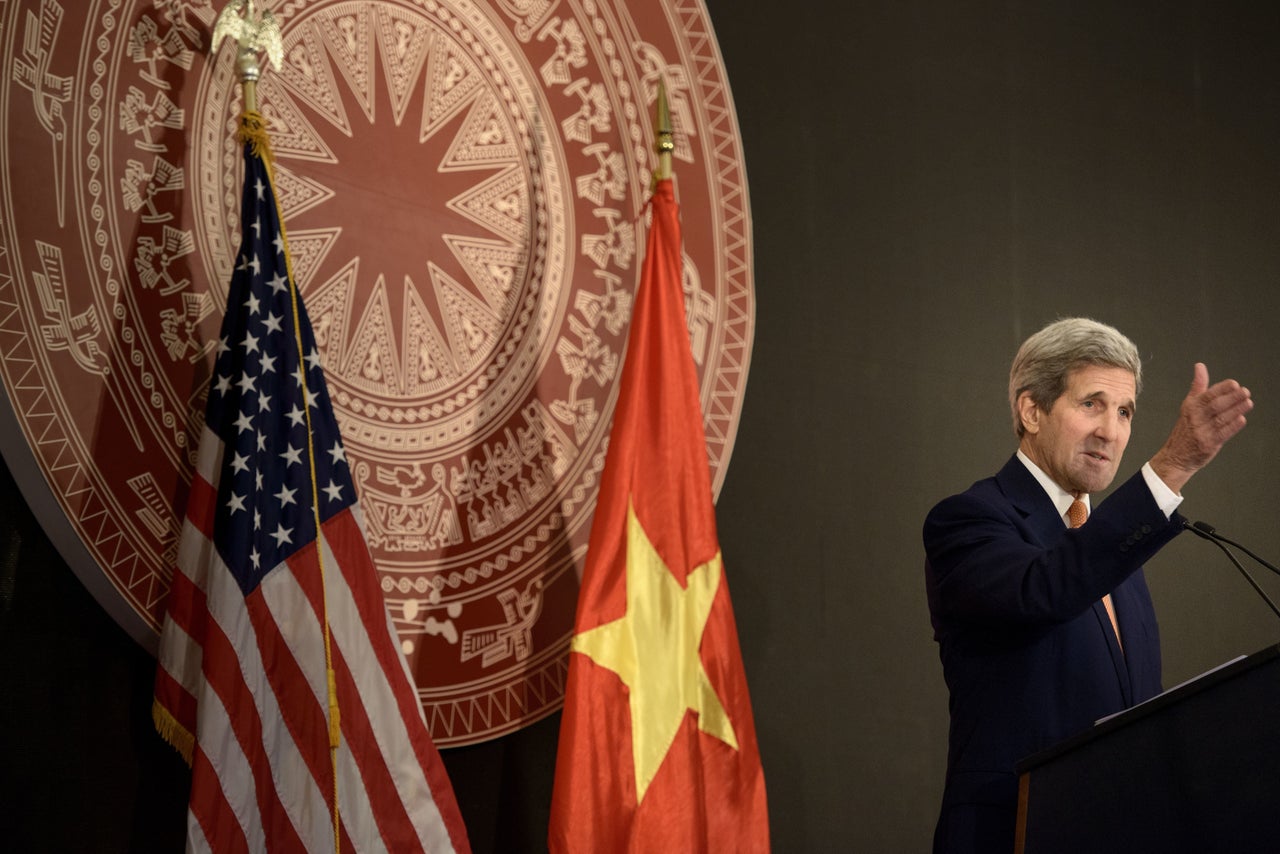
1196 770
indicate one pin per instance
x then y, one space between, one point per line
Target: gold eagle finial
253 32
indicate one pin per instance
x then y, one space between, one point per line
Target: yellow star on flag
654 650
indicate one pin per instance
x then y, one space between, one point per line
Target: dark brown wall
930 182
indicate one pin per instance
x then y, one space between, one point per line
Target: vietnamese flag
657 744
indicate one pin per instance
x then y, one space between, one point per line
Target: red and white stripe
246 676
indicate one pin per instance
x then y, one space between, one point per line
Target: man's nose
1108 426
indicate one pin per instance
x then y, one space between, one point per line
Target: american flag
242 686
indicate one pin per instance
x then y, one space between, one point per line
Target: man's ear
1029 413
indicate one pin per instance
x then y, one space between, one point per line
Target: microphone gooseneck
1206 531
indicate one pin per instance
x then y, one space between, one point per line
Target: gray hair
1046 360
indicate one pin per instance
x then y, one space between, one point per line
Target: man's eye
1126 414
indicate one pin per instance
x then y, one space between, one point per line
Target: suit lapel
1118 660
1028 497
1045 523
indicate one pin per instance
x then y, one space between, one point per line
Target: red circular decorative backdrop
463 185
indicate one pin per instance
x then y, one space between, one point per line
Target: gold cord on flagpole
253 131
254 33
335 730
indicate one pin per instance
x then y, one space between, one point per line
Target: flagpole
254 33
657 746
250 71
664 136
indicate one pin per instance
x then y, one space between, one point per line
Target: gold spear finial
253 33
662 131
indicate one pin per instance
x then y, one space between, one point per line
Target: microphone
1204 528
1206 531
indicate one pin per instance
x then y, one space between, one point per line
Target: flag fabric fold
657 746
275 586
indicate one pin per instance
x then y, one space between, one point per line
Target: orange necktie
1076 514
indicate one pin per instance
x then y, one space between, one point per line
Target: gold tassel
335 726
173 732
253 130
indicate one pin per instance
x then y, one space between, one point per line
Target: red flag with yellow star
657 743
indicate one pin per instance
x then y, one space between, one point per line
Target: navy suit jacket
1027 648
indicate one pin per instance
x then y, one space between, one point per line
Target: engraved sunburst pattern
463 186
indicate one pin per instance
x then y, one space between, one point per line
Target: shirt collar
1060 497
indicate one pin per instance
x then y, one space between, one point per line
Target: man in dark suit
1043 619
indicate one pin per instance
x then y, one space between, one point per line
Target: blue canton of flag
256 406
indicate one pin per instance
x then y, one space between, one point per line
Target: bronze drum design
464 189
